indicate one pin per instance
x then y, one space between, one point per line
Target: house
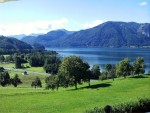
24 73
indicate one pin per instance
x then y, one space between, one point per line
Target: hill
52 38
111 34
108 34
68 100
12 43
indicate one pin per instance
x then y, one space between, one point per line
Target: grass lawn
30 100
12 65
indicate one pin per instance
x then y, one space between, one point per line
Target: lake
102 56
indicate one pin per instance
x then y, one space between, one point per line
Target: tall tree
95 72
52 82
108 68
2 69
52 64
36 82
2 58
16 81
124 67
139 66
4 78
71 71
17 62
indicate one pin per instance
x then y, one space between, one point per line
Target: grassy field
25 99
12 65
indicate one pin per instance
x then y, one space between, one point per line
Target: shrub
142 105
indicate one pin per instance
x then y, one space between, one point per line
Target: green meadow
25 99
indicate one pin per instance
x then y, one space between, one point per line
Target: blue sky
41 16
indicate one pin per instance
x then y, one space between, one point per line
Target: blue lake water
102 56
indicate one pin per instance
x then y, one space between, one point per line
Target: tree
112 72
9 58
139 66
71 71
16 81
124 68
108 68
36 83
4 78
52 82
37 60
2 58
52 64
103 75
95 72
2 69
17 62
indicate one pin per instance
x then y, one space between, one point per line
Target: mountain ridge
7 43
108 34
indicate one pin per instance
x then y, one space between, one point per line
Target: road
29 72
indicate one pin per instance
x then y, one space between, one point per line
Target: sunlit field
25 99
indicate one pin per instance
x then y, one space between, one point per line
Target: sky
42 16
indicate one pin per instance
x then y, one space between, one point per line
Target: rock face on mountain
108 34
12 43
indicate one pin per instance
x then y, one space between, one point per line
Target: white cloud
2 1
92 24
143 3
33 27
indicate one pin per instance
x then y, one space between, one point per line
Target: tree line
5 79
72 70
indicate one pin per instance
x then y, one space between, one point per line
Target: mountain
111 34
12 43
34 34
108 34
18 36
49 39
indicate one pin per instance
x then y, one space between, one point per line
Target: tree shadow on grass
96 86
140 76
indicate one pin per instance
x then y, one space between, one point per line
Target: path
32 72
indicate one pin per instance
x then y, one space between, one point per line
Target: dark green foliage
139 66
141 106
72 70
18 62
52 64
1 69
4 78
95 72
15 81
37 59
52 82
13 44
2 58
9 58
149 72
110 71
38 46
36 83
124 68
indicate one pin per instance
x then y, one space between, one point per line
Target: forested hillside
108 34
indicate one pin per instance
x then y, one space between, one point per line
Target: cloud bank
143 3
92 24
33 27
